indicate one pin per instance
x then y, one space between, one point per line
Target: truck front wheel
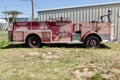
33 42
92 42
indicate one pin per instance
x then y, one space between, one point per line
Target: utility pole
32 2
7 19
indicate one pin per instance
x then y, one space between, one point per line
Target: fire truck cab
62 31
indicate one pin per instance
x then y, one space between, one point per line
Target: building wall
85 13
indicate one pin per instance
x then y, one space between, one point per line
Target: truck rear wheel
33 42
92 42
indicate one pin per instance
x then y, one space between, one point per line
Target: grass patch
4 43
58 62
3 39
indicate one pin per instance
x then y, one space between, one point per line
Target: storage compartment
18 36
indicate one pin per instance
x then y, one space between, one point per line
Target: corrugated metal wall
85 13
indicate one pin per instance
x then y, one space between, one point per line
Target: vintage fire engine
63 31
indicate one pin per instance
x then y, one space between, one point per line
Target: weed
3 43
96 77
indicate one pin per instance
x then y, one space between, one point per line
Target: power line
37 1
32 4
9 5
36 5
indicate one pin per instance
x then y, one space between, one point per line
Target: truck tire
92 42
33 42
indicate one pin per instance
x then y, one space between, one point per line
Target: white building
3 24
85 13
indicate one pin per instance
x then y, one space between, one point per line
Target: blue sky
25 5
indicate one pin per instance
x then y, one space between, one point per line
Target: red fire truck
34 34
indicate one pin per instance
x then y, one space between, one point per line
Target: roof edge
82 6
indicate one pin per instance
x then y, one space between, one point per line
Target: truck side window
77 29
